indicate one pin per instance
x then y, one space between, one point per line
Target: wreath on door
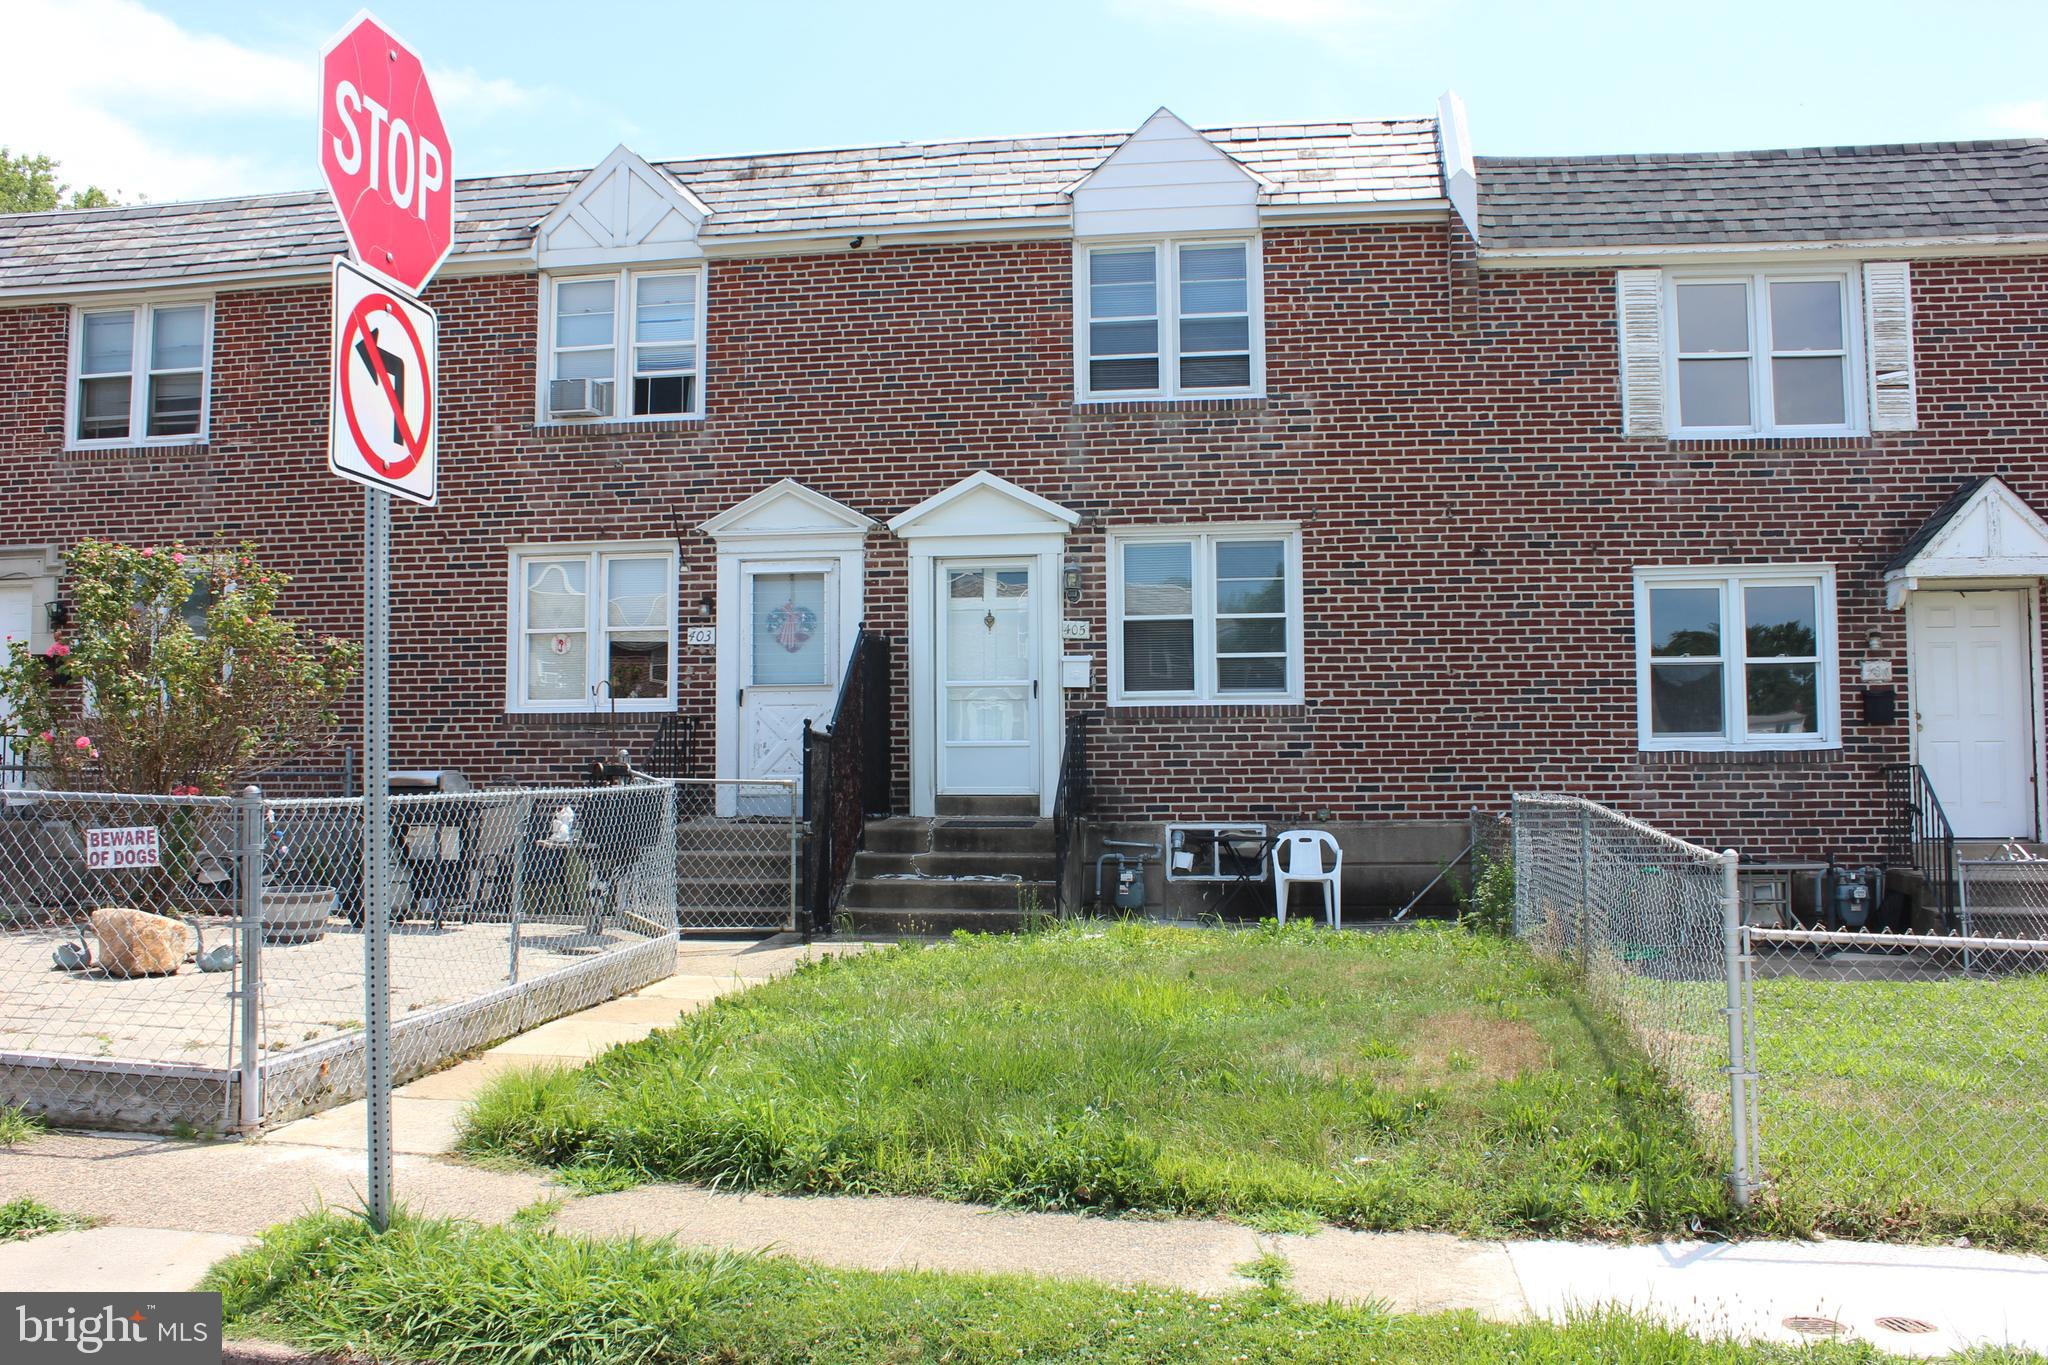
792 626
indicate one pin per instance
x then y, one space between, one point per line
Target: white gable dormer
1166 178
623 212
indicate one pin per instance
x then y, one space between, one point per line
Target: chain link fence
1869 1081
1903 1078
1647 924
198 961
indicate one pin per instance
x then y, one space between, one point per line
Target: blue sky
174 99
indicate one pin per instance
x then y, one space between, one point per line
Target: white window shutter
1888 337
1639 308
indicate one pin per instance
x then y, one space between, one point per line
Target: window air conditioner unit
580 397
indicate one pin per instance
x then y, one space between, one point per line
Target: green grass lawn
1422 1079
1907 1108
455 1291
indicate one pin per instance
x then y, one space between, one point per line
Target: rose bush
176 675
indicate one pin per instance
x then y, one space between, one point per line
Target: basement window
1214 853
139 375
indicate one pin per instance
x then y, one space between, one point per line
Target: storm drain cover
1913 1326
1816 1327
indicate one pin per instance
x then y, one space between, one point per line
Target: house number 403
703 635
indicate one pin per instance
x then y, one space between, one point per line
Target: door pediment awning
984 505
789 511
1986 531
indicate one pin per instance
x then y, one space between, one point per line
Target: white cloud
115 78
2025 118
105 67
1309 15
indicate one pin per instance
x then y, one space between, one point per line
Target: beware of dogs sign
131 846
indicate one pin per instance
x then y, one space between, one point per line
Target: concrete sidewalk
200 1201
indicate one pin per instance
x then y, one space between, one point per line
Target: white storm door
987 683
788 662
17 622
1972 709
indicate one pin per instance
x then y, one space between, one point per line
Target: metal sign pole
377 845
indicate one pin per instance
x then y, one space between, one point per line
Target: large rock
137 943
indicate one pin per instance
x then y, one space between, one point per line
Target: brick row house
1330 474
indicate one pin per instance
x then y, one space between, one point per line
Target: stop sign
385 154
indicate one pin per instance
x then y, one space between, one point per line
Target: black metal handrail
1069 804
1917 834
674 751
846 767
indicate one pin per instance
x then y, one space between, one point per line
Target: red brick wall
1471 516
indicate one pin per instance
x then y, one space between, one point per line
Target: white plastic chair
1308 855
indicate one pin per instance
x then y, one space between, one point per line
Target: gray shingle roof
1019 179
1927 189
1932 527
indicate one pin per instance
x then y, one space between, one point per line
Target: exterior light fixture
1070 580
707 607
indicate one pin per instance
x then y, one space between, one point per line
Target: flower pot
296 914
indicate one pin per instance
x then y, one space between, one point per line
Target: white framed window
1741 658
1205 615
139 374
1765 353
1172 318
592 627
639 331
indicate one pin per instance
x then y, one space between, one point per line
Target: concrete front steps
980 867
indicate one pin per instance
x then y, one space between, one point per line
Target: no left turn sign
383 428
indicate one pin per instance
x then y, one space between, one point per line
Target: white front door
787 665
1972 684
987 678
17 622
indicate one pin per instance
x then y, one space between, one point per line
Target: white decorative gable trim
1166 178
1994 534
622 213
981 505
788 511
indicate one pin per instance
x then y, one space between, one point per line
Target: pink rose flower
82 742
177 558
49 736
148 552
58 650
